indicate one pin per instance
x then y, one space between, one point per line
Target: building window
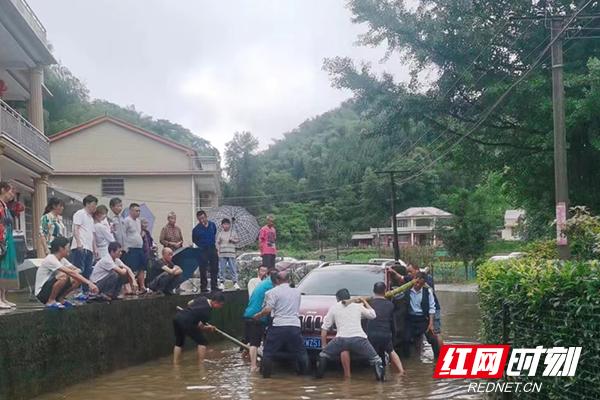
423 222
402 223
113 187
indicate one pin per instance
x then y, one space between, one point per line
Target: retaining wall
43 350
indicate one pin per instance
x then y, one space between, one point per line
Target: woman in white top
102 232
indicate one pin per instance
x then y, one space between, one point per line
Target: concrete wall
161 194
110 147
43 350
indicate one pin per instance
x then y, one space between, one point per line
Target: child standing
226 241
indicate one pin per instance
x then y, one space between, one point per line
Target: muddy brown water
225 375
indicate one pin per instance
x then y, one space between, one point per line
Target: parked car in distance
245 260
387 261
513 255
318 290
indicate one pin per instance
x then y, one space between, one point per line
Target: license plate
312 343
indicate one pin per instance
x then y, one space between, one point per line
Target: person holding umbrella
266 243
204 237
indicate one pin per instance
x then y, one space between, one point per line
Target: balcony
32 20
20 131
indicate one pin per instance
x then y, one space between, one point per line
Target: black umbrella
243 224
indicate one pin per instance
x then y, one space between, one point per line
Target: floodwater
225 375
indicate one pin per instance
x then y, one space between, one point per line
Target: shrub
548 304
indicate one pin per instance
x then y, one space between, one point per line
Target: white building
416 227
24 149
512 219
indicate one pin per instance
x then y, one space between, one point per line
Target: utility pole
561 185
394 212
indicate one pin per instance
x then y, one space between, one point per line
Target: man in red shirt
266 243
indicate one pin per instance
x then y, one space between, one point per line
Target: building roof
124 124
514 214
423 212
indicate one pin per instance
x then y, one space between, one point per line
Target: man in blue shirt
204 236
420 313
255 330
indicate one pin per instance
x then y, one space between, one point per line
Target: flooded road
225 375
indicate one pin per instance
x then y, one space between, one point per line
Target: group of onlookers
116 253
109 255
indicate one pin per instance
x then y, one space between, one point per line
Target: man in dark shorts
204 236
381 330
350 335
283 303
192 321
134 246
56 277
254 329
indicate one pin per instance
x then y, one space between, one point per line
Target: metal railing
22 132
31 19
206 163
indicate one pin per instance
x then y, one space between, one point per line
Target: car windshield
359 282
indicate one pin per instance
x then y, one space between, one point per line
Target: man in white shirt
253 283
83 245
110 274
56 277
134 245
350 335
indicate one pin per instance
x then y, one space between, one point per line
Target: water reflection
226 376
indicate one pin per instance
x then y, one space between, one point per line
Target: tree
242 167
477 52
465 235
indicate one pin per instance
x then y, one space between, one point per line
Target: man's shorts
268 260
357 346
437 322
134 259
254 332
182 328
382 343
44 294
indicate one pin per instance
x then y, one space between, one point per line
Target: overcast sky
215 67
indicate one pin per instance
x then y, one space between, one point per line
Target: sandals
55 306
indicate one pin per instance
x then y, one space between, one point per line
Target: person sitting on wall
193 321
165 276
110 274
56 277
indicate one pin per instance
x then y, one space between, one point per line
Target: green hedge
535 302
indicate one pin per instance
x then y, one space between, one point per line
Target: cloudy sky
215 66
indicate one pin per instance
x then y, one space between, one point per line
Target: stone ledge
44 350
